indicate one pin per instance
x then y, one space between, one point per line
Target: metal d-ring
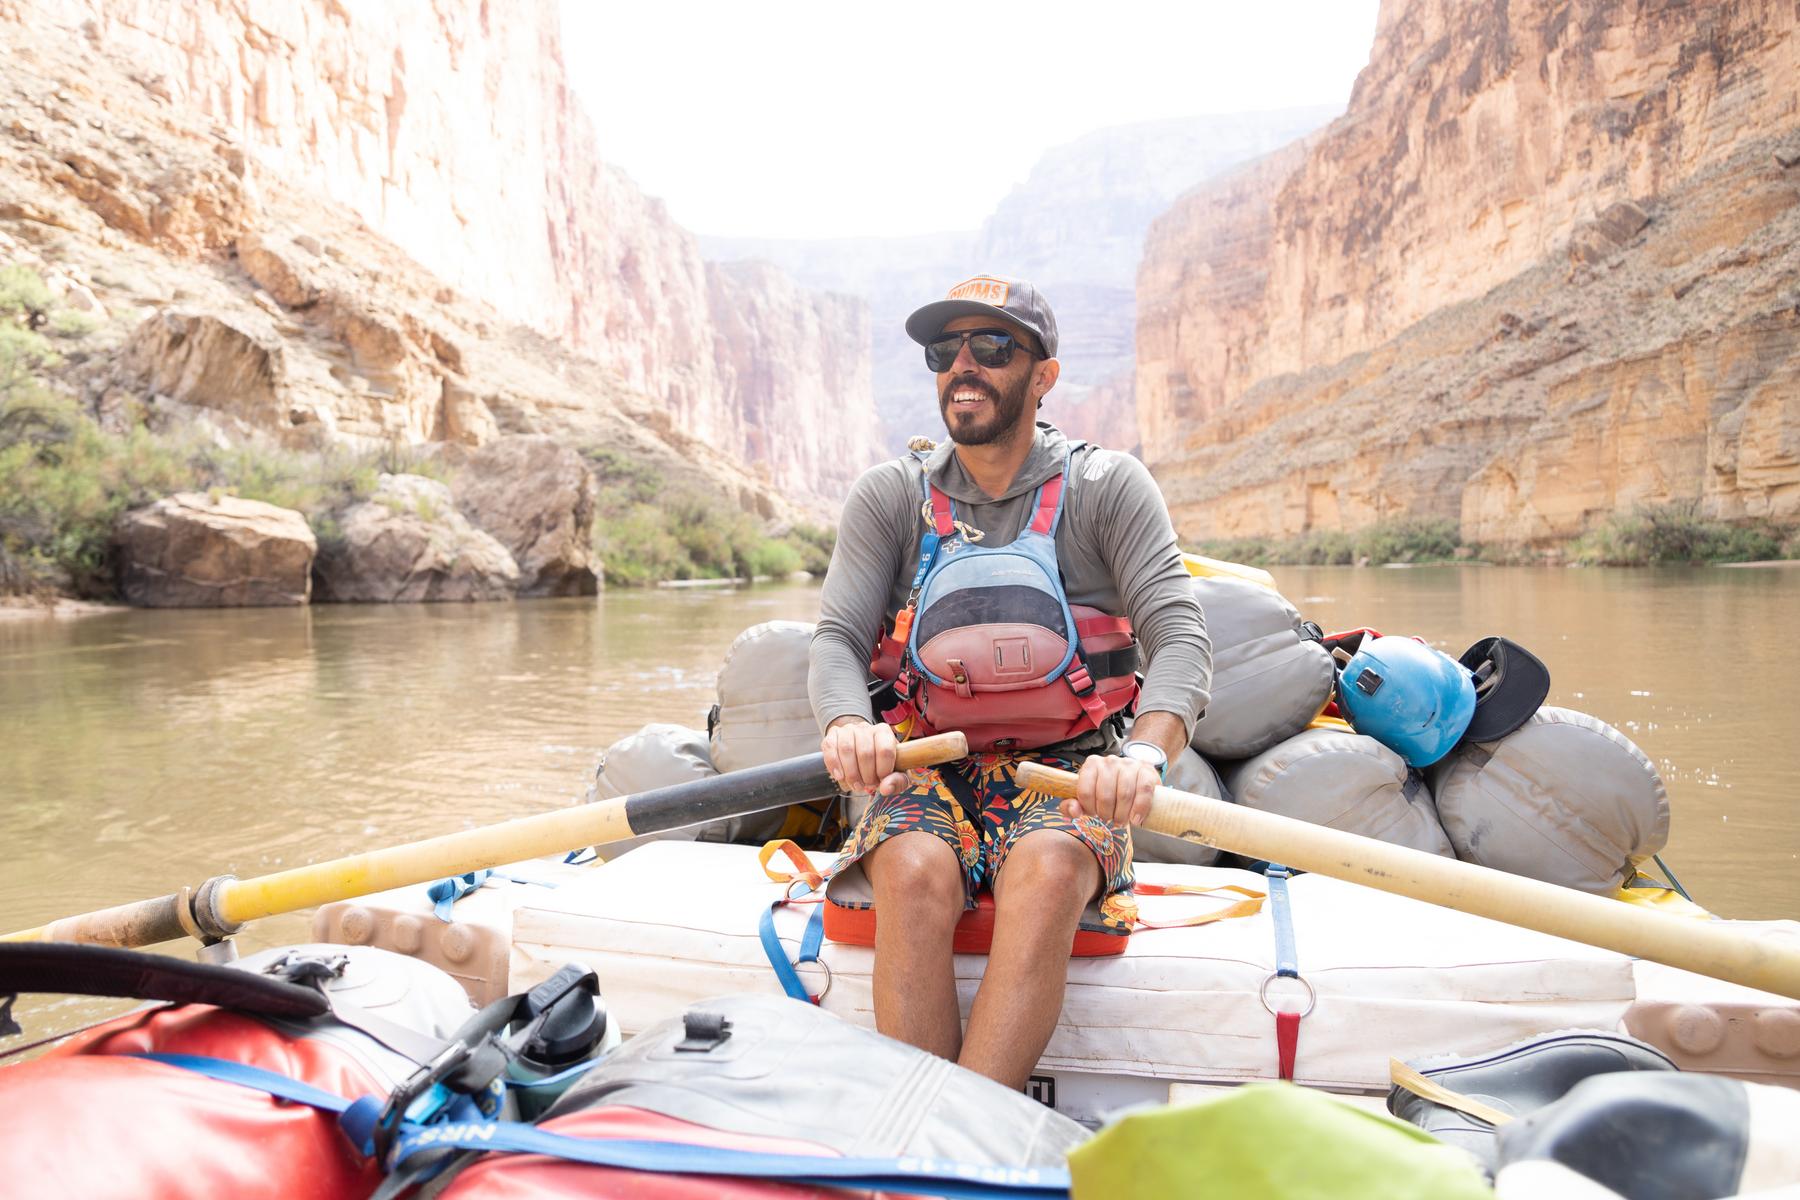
829 977
1312 997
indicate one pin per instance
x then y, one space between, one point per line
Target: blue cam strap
446 892
917 1176
924 1176
810 942
1287 961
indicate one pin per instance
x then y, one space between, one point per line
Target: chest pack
988 642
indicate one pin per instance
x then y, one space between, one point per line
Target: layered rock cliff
1075 227
449 128
1541 270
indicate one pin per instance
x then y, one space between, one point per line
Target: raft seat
670 924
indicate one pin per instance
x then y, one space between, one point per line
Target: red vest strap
1100 624
1049 497
943 515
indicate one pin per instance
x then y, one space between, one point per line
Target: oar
221 905
1703 947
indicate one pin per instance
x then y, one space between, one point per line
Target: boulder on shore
195 550
537 497
408 543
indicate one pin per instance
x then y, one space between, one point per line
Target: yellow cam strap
1404 1076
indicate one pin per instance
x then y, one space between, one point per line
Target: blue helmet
1412 699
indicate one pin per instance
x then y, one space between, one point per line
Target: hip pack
988 642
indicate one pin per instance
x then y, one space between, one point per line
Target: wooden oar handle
1048 780
1707 948
930 751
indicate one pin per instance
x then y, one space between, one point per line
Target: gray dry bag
1344 780
1565 798
1270 675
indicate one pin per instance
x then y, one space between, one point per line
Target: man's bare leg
918 898
1047 880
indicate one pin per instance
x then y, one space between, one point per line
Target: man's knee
1049 863
919 873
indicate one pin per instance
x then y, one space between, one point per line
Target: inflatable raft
1185 1008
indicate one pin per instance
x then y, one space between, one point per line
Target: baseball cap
1511 684
1012 300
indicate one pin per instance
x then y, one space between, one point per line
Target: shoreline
62 608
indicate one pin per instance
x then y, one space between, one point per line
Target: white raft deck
673 923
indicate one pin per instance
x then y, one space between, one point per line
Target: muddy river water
143 750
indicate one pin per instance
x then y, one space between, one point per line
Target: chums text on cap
983 289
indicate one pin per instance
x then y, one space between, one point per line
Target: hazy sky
803 118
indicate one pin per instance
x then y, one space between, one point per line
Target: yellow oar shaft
231 902
1713 949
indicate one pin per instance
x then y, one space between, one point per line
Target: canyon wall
450 129
1538 272
1075 227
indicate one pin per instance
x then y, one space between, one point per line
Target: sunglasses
988 347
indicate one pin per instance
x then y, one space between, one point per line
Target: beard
975 429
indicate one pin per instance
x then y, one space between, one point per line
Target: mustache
971 382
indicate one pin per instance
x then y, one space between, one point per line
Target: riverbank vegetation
65 477
1677 533
649 528
1665 535
1409 540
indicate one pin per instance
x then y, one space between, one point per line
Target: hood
1048 450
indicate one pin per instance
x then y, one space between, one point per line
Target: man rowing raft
1005 582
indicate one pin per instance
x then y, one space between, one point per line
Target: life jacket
988 643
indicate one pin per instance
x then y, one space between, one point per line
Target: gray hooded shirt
1115 546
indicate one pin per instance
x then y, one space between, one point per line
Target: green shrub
814 544
776 558
63 481
1677 533
67 323
404 458
1409 540
24 297
24 356
1323 548
637 548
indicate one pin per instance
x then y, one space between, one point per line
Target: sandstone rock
81 298
210 361
468 421
409 543
1596 240
1334 338
192 550
439 126
784 396
375 360
537 498
277 270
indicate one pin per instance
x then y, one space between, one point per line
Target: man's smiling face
981 404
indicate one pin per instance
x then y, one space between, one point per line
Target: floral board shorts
978 808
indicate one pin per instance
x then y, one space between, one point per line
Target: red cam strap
1287 1042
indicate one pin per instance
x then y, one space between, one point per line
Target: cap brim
1521 684
926 323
